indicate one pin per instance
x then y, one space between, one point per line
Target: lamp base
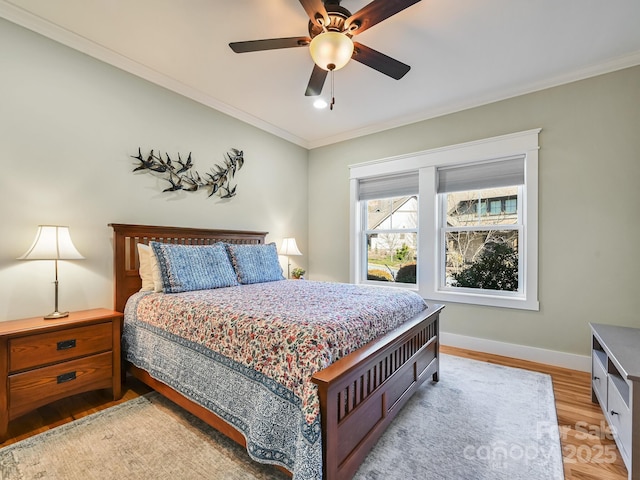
56 314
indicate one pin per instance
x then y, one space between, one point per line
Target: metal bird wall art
181 176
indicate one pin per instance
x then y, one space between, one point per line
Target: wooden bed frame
360 394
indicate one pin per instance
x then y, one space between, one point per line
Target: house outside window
475 239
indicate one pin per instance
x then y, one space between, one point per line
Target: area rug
481 421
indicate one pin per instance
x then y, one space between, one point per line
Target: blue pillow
193 267
255 263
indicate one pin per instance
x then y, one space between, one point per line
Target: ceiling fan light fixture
331 50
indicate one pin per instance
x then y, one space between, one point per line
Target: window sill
407 286
483 299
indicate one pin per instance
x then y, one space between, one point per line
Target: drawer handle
66 377
596 378
614 413
66 344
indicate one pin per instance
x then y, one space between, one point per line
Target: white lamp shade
331 49
53 242
289 247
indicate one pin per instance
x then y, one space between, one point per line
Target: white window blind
498 173
388 186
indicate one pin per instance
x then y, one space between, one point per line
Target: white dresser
615 373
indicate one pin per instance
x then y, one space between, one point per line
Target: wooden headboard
126 276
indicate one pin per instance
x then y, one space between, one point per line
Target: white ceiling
462 53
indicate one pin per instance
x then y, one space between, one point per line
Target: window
470 223
389 213
480 251
391 235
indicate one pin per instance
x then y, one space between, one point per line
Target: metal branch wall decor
181 176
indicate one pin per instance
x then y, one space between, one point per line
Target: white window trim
426 162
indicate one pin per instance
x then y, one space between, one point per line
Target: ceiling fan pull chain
333 99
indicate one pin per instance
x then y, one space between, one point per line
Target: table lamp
289 248
53 242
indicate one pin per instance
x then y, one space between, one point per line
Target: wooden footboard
362 393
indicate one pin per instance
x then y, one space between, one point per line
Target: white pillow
149 269
144 254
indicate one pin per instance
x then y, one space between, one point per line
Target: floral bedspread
286 330
247 353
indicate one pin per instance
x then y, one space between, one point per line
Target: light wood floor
588 450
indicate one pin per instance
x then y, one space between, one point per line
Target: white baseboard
533 354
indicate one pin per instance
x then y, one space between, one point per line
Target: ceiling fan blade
375 12
316 82
270 44
379 61
313 8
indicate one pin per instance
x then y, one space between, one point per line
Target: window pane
482 259
392 257
392 213
492 206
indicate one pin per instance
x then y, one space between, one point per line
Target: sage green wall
589 204
68 125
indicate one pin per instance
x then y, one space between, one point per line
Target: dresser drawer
599 379
47 348
619 418
32 389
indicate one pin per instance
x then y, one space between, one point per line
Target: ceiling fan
331 28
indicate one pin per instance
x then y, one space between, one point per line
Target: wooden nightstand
45 360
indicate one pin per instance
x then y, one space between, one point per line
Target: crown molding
615 64
54 32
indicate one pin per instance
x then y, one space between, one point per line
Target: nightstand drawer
47 348
32 389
